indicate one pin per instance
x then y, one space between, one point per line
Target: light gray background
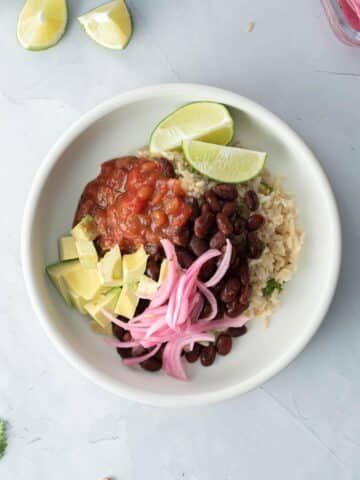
303 424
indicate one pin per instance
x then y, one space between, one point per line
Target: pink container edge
340 23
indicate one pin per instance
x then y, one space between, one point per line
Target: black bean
255 246
208 270
167 167
205 208
243 273
127 337
198 245
240 225
124 352
245 295
208 355
224 224
229 208
218 240
213 201
237 331
193 203
231 289
204 224
155 251
185 257
152 364
193 354
153 268
251 200
117 331
255 221
235 308
223 344
225 191
142 306
182 237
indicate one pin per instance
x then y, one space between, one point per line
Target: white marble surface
303 424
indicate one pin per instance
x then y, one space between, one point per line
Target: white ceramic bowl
118 127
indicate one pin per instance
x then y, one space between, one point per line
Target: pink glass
344 18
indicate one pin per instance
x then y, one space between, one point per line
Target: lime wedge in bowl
41 25
109 25
223 164
207 121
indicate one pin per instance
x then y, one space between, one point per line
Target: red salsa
135 201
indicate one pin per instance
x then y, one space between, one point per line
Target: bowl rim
55 152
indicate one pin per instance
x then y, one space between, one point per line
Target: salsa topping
135 201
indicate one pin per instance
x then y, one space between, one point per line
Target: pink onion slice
118 344
212 301
142 358
164 291
223 267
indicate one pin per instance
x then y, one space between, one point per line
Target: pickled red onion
223 267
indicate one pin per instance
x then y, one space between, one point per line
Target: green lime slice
207 121
224 164
41 24
109 25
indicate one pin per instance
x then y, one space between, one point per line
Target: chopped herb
268 188
270 286
3 441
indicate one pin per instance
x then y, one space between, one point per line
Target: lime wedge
109 25
42 23
224 164
207 121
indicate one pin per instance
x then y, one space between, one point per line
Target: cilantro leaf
268 188
3 441
270 286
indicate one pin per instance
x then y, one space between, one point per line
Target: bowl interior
255 356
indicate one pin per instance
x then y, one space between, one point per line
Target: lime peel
223 163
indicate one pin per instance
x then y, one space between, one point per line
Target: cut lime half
224 164
208 121
42 23
109 25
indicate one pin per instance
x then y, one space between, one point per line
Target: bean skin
255 221
235 308
155 251
225 191
223 344
213 201
205 208
198 246
204 224
230 290
255 246
117 331
185 257
229 208
182 237
224 224
208 355
251 200
195 209
237 331
240 225
245 295
153 268
217 241
243 273
152 364
167 167
208 270
193 354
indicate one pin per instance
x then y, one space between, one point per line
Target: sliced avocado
56 273
78 302
108 302
67 248
163 271
98 329
134 265
87 253
85 282
85 229
128 301
147 287
110 268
